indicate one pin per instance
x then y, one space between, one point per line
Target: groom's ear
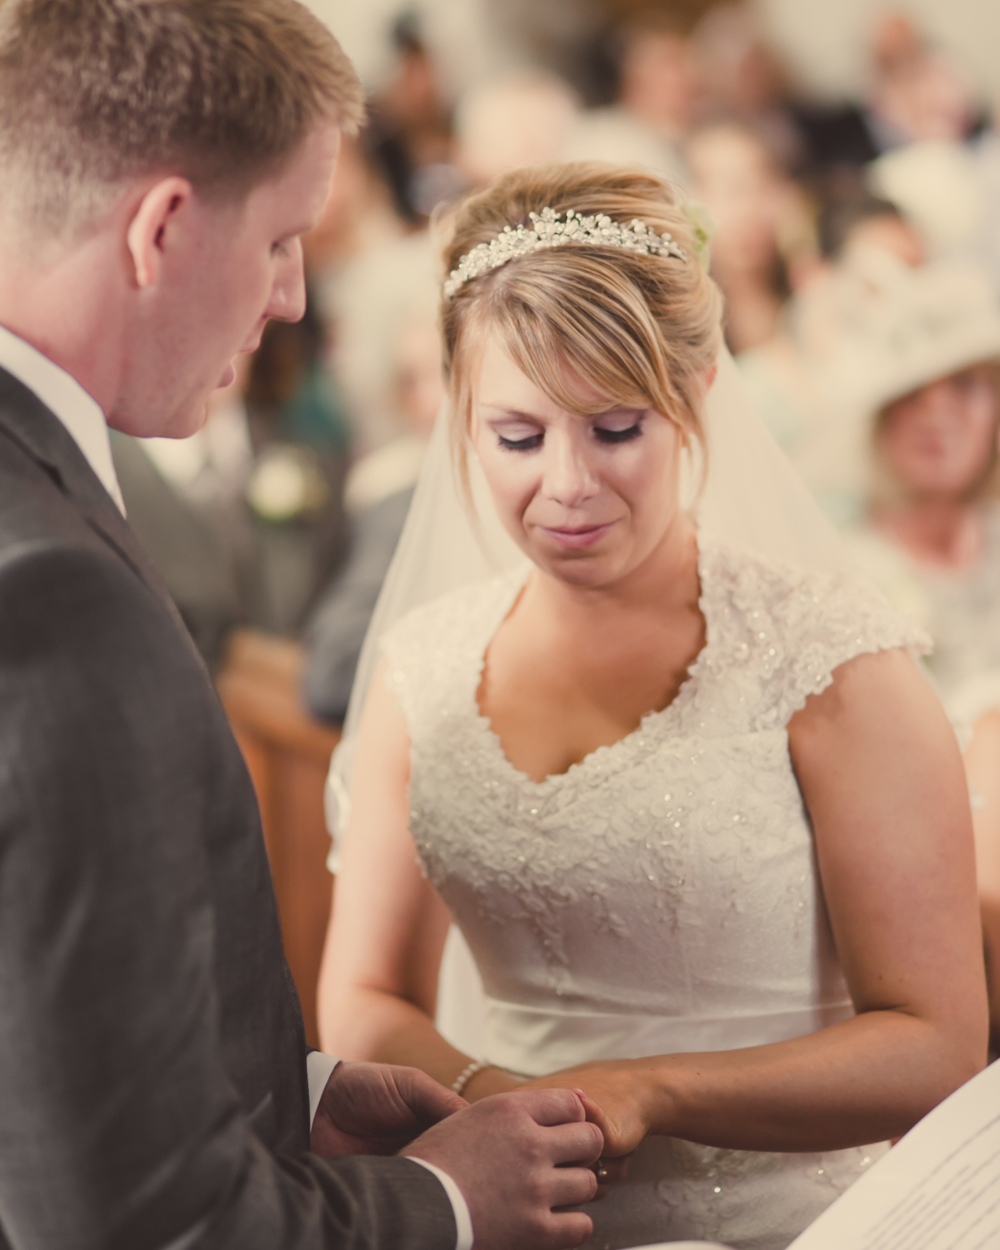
154 228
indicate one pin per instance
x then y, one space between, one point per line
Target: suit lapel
40 433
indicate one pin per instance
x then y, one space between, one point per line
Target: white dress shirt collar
63 394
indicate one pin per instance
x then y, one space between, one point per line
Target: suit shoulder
74 596
32 503
56 562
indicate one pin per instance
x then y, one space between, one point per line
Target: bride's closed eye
612 436
609 429
528 442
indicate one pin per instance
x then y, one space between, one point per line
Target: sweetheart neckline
650 723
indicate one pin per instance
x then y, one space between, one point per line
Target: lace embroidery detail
671 874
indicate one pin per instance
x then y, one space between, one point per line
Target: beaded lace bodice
662 894
673 872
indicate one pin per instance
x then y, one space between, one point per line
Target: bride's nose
569 478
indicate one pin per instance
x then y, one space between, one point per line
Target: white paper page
937 1189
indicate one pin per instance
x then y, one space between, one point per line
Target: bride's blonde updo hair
593 327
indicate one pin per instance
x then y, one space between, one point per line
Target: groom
159 160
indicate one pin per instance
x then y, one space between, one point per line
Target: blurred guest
918 94
743 78
559 36
760 217
862 223
300 437
796 376
655 102
409 129
185 500
378 496
931 533
364 264
915 95
941 187
928 423
360 214
518 119
370 298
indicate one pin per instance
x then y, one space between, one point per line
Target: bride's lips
578 535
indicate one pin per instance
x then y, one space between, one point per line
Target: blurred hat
904 328
922 324
940 188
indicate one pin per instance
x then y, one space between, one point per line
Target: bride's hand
617 1098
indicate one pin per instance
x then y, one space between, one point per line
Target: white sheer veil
751 499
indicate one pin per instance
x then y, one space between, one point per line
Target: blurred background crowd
857 205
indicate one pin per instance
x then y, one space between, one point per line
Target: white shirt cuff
463 1220
319 1069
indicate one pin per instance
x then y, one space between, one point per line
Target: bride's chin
586 573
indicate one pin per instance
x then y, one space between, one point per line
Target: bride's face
589 498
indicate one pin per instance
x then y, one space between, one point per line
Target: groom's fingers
429 1101
564 1230
572 1187
552 1106
575 1143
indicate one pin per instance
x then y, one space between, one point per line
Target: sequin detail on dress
662 893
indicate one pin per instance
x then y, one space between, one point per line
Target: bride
696 812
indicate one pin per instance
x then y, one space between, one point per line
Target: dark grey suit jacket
152 1057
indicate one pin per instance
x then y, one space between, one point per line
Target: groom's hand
518 1159
376 1109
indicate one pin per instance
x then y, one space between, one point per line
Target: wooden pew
288 754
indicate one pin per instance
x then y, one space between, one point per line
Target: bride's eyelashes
618 436
532 443
609 437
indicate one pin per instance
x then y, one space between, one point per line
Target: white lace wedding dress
662 895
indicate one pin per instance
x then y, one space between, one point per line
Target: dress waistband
535 1041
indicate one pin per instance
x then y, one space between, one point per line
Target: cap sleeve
828 621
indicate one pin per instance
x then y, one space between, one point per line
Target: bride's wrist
488 1080
656 1096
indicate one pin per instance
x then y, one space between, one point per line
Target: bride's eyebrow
512 414
496 412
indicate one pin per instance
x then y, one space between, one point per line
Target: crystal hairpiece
547 230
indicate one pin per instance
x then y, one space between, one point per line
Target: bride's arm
378 982
881 775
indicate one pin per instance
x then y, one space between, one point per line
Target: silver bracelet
466 1075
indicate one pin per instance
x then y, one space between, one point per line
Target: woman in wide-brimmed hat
931 531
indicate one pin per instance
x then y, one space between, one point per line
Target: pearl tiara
547 230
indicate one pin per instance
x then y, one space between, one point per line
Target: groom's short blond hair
96 93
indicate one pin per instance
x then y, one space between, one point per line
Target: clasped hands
520 1158
378 1109
619 1096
